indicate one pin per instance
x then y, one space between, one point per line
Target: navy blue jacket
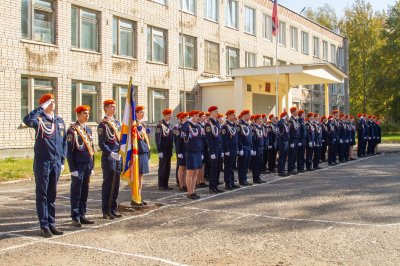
164 138
342 131
48 148
266 131
330 129
294 129
108 141
213 136
361 128
245 135
283 131
178 139
78 154
310 133
258 137
230 137
143 147
303 131
272 136
193 137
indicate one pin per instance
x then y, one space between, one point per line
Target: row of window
38 23
86 93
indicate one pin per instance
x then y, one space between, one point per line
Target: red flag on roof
275 21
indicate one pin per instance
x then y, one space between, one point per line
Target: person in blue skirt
193 152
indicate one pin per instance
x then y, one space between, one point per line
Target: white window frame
206 69
30 20
165 36
94 110
188 5
209 11
267 27
249 28
151 115
185 37
340 56
228 14
117 35
294 38
80 18
162 2
250 59
269 59
228 66
119 95
190 102
333 54
282 33
305 43
325 51
316 50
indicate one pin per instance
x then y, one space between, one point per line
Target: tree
324 15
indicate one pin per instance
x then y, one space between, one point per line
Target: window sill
188 12
38 43
188 68
282 45
211 20
123 57
249 33
305 53
231 27
157 63
268 40
85 51
158 3
293 49
210 73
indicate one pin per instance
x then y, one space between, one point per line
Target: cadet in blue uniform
318 142
258 149
330 129
81 163
310 139
230 139
109 135
200 177
214 144
164 142
283 143
379 133
265 128
324 140
352 137
193 152
272 143
342 138
180 150
360 135
143 142
50 152
245 147
294 132
367 136
301 147
371 136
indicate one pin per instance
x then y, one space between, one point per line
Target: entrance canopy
295 75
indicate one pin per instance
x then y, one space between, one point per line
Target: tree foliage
324 15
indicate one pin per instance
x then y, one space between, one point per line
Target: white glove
75 173
241 153
160 155
227 153
222 155
180 155
292 145
213 157
202 157
92 173
369 138
377 137
365 137
46 104
62 168
341 141
347 141
115 156
310 144
270 147
253 153
334 140
300 144
373 137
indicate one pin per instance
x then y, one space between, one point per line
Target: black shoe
245 184
317 168
213 190
108 216
310 169
258 181
283 174
219 190
301 171
220 183
86 221
144 202
76 223
116 215
135 204
228 188
183 189
192 196
293 173
197 196
45 232
55 231
235 186
165 188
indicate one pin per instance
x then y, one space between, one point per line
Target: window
249 20
267 27
84 94
294 38
281 63
32 88
190 51
232 59
304 43
333 54
188 6
190 101
156 45
315 46
251 59
282 33
211 9
163 2
325 50
231 13
340 89
211 57
333 89
157 103
341 56
37 20
124 37
119 95
84 29
267 61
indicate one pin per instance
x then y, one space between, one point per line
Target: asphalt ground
343 215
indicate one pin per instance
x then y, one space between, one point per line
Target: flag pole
276 76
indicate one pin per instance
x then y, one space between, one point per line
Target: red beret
370 116
183 115
330 117
220 115
271 116
245 112
207 113
257 117
310 114
178 114
45 98
351 117
252 117
82 108
323 117
239 116
359 115
263 115
193 113
107 102
212 108
167 111
283 114
316 114
301 112
293 109
139 108
230 112
341 115
202 114
335 112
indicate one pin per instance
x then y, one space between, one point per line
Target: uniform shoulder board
223 131
100 131
158 130
208 128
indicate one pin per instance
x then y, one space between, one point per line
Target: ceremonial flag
129 145
275 21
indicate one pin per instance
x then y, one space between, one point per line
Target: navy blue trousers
80 190
229 161
292 156
283 152
111 174
215 167
257 163
300 155
243 164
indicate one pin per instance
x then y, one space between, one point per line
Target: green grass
391 138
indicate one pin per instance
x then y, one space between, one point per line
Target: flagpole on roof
275 32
